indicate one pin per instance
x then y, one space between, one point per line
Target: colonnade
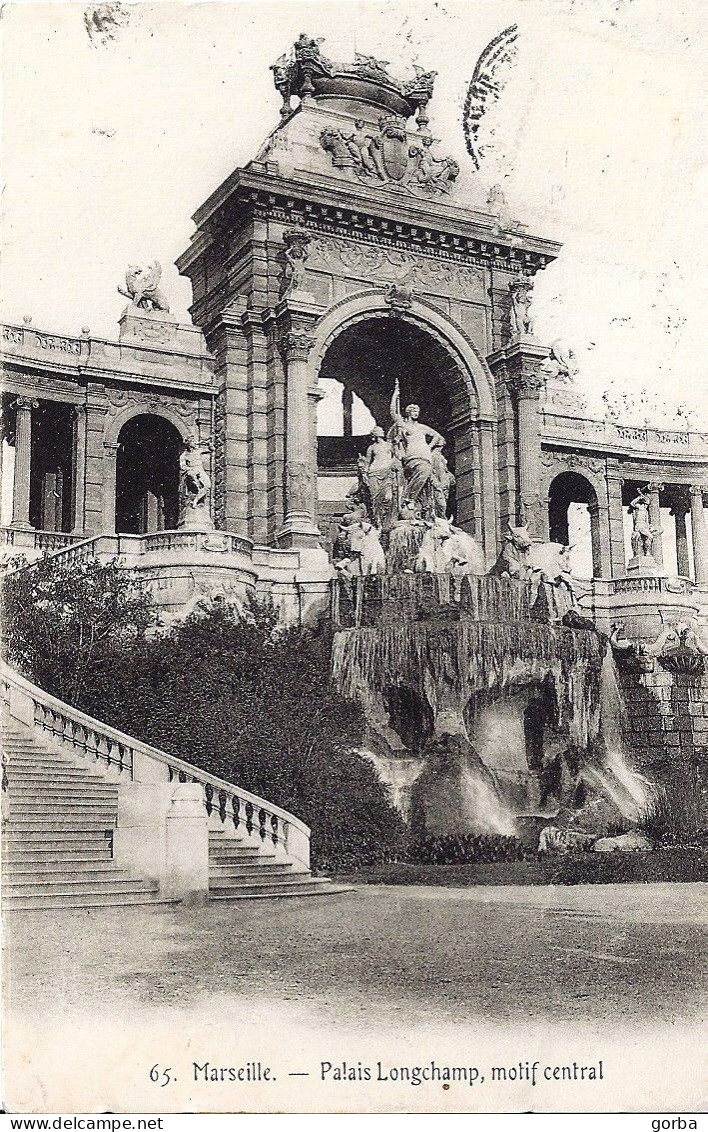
25 408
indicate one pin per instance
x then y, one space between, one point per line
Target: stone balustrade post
657 549
700 538
186 871
23 463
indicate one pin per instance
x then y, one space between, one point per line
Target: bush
232 692
469 848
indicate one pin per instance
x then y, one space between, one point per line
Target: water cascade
458 644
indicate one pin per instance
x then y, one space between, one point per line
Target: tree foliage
231 691
62 618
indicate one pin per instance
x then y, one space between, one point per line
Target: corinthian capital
526 385
696 490
296 346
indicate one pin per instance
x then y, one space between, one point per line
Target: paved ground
405 958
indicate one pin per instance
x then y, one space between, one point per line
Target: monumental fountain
490 699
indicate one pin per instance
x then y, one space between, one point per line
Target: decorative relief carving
389 158
525 385
122 397
572 460
396 265
295 255
521 298
33 340
300 484
219 465
399 297
296 346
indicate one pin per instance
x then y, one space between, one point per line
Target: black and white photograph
354 563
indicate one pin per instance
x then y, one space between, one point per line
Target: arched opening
573 519
147 475
357 377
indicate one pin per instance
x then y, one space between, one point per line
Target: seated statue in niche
195 484
416 445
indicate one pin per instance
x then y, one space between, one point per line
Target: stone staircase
59 814
238 872
58 822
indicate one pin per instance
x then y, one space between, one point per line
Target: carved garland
119 398
372 260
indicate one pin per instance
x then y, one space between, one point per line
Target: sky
599 140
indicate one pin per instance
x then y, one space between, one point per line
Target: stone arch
567 484
112 430
114 424
467 380
147 474
427 317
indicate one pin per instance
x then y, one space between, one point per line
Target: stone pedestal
196 518
642 564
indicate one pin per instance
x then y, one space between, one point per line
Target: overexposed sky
599 140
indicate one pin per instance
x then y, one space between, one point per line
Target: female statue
416 444
382 470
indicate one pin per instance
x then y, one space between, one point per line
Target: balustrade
249 816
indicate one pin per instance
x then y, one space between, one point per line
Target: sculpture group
397 517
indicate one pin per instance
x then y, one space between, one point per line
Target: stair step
284 893
247 870
45 810
48 838
276 884
91 886
59 825
252 880
13 858
54 873
111 900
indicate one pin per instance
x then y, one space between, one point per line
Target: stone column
700 538
347 410
679 510
299 528
657 549
110 453
526 388
23 463
79 491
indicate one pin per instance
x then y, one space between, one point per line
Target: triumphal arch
351 257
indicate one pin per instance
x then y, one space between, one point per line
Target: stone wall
667 731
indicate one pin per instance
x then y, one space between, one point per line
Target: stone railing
21 540
633 438
651 585
158 543
238 812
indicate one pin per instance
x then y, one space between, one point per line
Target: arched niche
147 475
364 343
